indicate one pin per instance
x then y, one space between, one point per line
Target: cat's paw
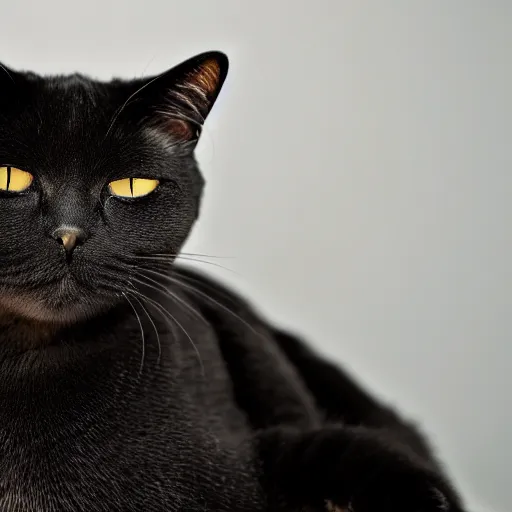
336 470
331 507
399 493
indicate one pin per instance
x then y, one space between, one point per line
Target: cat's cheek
20 218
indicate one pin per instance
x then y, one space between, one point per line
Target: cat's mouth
66 288
66 283
65 299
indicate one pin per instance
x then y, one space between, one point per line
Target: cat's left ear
182 98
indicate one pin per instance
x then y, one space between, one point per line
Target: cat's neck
19 334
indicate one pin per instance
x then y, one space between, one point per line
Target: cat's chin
55 305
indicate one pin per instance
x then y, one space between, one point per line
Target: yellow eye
132 187
14 180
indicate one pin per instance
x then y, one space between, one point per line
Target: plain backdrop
358 167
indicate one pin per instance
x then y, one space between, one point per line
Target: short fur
129 383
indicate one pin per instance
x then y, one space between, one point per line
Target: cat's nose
69 237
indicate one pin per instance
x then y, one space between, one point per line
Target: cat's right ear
177 102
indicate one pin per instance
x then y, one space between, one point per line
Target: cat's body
101 421
129 384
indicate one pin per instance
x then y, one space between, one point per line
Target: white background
359 172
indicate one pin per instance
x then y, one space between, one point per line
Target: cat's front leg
339 469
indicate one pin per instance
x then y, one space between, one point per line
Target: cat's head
94 177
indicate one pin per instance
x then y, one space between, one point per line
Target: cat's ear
182 98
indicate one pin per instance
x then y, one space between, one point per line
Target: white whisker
170 294
154 327
141 332
171 317
170 260
205 296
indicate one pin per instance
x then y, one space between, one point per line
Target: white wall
359 171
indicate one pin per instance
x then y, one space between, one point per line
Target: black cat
128 383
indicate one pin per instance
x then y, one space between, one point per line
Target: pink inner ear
190 101
206 77
179 129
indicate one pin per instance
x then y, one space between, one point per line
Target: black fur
128 383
